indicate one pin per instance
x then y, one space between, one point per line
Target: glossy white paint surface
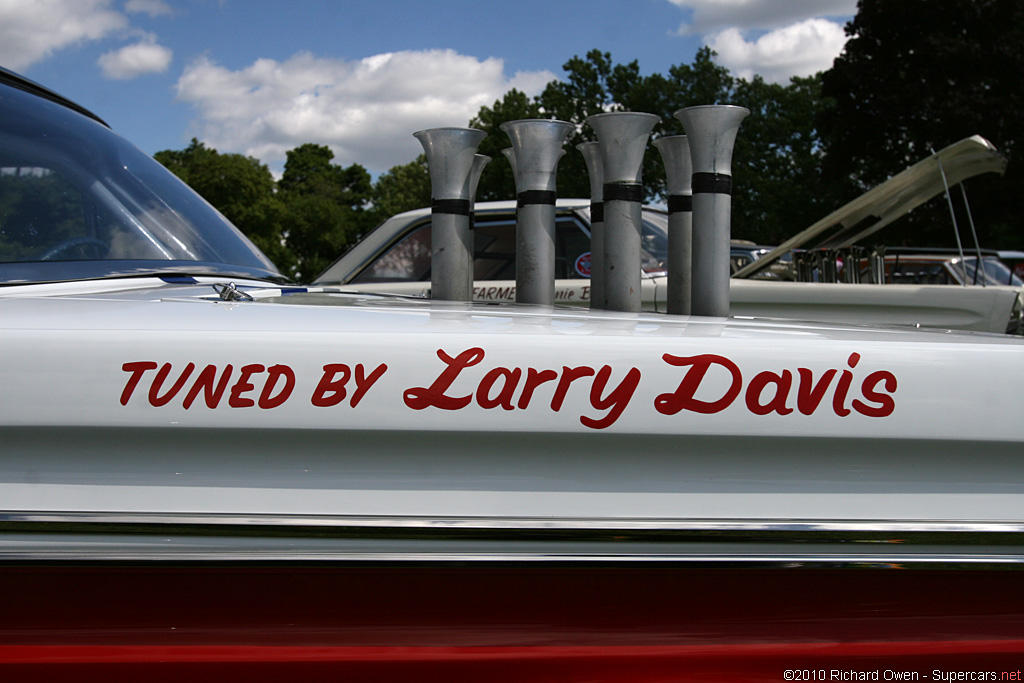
979 309
74 439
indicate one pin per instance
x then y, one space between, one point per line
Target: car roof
506 205
14 80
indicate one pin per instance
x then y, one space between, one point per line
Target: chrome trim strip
164 537
777 560
514 523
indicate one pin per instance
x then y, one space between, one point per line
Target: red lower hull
509 622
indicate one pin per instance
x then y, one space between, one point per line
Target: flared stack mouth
699 188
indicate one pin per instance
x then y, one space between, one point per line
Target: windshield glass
654 242
994 272
78 202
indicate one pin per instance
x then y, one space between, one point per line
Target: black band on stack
535 197
623 192
712 183
459 207
597 212
680 203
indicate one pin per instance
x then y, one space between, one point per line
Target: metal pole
450 157
595 170
675 153
536 148
712 132
974 234
479 161
622 137
952 214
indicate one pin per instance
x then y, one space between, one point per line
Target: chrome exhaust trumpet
622 139
595 170
451 156
675 153
536 150
479 161
711 130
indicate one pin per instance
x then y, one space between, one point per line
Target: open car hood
894 198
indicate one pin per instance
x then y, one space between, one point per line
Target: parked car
745 252
398 251
816 255
862 218
1014 260
395 258
209 473
944 267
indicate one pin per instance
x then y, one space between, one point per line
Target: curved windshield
993 271
77 201
654 242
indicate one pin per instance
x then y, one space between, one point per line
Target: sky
260 77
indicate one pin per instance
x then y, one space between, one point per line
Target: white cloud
798 50
776 39
153 8
141 58
711 16
365 110
31 30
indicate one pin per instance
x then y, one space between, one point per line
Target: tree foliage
326 204
497 181
238 186
916 76
303 222
231 182
403 188
780 188
910 80
777 154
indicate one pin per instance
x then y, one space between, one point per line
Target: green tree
325 207
702 82
301 223
264 225
497 181
916 76
779 188
583 93
699 83
238 186
778 183
403 188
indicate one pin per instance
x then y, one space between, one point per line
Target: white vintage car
207 473
395 257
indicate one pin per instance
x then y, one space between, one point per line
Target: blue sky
261 77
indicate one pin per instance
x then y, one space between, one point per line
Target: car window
738 259
911 273
406 261
572 250
43 216
39 210
908 271
494 243
78 201
996 272
494 247
654 242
